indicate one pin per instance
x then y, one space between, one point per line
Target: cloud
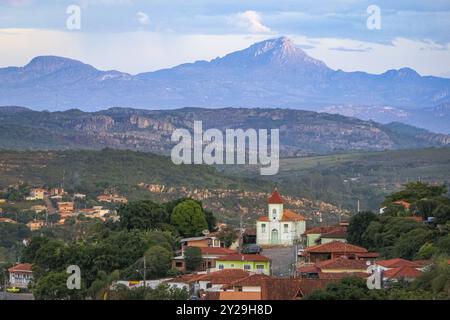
351 49
249 21
15 3
142 18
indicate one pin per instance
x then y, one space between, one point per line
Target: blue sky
136 35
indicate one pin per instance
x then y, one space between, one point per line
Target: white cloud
249 21
142 18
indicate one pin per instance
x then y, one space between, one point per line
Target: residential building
248 262
334 267
57 192
66 208
35 224
263 287
36 194
21 275
207 282
38 208
279 226
405 273
324 234
203 241
8 220
209 258
335 249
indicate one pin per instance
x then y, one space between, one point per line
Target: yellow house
248 262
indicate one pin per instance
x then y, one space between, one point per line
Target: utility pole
240 232
358 206
145 276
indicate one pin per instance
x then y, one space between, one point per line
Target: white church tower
280 226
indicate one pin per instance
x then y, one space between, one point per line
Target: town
176 251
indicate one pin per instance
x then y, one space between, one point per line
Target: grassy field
343 179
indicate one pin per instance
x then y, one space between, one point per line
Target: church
280 226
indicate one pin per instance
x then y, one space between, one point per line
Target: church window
286 228
263 228
274 213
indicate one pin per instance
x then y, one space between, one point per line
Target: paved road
283 260
16 296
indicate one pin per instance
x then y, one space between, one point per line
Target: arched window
274 213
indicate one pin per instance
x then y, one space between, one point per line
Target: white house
280 226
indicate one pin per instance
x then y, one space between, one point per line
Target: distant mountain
301 132
272 73
436 119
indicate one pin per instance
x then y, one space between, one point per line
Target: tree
192 258
53 286
227 236
436 279
409 243
189 218
358 225
158 260
142 215
349 288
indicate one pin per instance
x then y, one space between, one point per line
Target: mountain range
301 132
270 74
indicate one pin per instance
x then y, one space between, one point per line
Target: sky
138 36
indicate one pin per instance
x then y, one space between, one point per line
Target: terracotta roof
225 276
335 247
21 267
338 232
403 203
289 215
244 257
263 219
340 275
275 198
216 251
308 269
367 255
321 230
342 263
402 272
280 288
397 262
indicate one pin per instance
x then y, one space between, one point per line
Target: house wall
240 265
326 240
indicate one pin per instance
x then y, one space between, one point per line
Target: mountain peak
50 64
278 52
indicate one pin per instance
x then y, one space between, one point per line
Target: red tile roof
402 272
338 232
321 230
342 263
335 247
21 267
397 262
216 251
308 269
280 288
263 219
244 257
340 275
225 276
403 203
275 198
289 215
